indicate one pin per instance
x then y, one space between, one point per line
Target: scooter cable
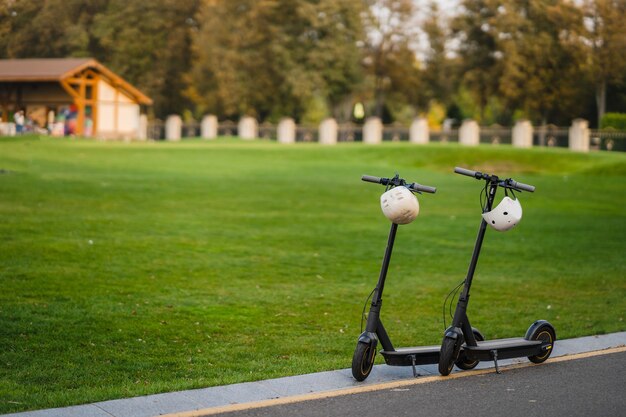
452 293
365 306
483 200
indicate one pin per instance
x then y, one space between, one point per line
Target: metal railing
445 136
396 132
268 131
548 135
307 134
496 135
349 132
551 135
607 140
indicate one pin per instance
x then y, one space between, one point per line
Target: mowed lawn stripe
137 268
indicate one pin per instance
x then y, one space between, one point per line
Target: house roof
58 69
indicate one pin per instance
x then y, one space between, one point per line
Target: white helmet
506 215
399 205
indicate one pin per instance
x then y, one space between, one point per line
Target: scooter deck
422 355
514 347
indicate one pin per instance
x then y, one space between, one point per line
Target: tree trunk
601 100
380 98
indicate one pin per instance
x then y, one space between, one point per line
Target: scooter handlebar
398 182
371 178
507 183
423 188
521 186
468 172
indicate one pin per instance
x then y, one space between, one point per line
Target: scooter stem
376 300
493 186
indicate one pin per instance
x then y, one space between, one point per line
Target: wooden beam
91 73
80 122
94 105
69 89
80 81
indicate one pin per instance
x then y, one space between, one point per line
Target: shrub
613 120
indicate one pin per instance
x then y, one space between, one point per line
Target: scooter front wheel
463 362
363 360
448 355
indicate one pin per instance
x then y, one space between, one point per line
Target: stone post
173 127
247 128
286 131
142 133
328 132
208 128
469 133
373 131
579 135
523 134
418 132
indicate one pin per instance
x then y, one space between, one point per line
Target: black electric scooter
459 343
365 352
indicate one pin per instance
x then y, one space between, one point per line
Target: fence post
142 132
248 128
469 133
579 135
418 133
286 130
373 131
523 134
173 127
328 132
208 128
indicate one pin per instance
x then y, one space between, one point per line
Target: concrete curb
201 399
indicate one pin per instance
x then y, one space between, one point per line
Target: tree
542 58
606 46
389 56
272 57
476 31
149 44
438 76
49 29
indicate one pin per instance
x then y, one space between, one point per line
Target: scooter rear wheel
362 361
463 362
448 355
545 334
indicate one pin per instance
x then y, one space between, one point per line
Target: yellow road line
379 387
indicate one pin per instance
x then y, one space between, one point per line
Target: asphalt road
588 387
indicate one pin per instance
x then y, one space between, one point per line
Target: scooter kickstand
415 374
494 353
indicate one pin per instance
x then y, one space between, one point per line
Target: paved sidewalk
182 401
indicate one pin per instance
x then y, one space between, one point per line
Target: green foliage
315 111
550 61
273 57
147 43
138 268
155 63
389 59
436 115
614 120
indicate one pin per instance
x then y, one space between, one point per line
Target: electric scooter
365 352
459 343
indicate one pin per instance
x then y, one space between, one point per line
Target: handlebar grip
371 178
522 186
464 171
424 188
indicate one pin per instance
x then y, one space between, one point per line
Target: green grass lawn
137 268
